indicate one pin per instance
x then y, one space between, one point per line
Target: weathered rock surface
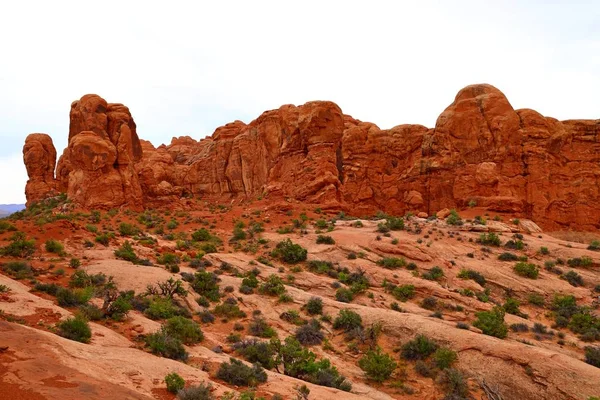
481 150
39 156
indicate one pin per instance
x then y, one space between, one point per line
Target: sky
187 67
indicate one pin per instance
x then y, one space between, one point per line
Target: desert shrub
165 345
454 218
250 281
126 229
229 310
168 259
103 238
201 235
50 288
54 246
424 369
492 322
256 351
347 320
519 327
473 275
344 295
238 232
206 316
573 278
91 312
429 303
378 366
592 356
404 292
314 306
208 248
444 357
419 348
75 263
19 246
514 244
289 252
273 286
580 262
594 245
526 270
434 274
511 306
17 269
184 329
81 279
536 299
462 325
325 239
392 262
206 284
508 257
76 328
174 382
260 327
310 334
202 391
73 298
320 267
454 383
126 252
489 239
161 308
237 373
6 227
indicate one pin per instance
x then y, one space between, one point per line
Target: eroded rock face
480 151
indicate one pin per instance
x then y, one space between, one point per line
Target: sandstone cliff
481 150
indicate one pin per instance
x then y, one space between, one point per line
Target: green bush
419 348
473 275
511 306
489 239
174 382
514 244
76 329
256 351
168 259
404 292
527 270
378 366
454 218
434 274
289 252
392 262
310 334
53 246
594 246
573 278
202 391
344 295
237 373
454 384
73 298
229 310
165 345
536 299
161 308
91 312
18 269
592 356
184 329
201 235
347 320
395 223
103 238
325 239
492 322
444 357
260 327
206 284
273 286
580 262
75 263
508 257
126 229
19 246
314 306
126 252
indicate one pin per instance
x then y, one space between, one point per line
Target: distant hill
7 209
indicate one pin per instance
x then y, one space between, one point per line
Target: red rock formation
39 156
480 150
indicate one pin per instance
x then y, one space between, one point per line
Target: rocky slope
481 151
533 361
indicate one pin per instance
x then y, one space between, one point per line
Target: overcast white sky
187 67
